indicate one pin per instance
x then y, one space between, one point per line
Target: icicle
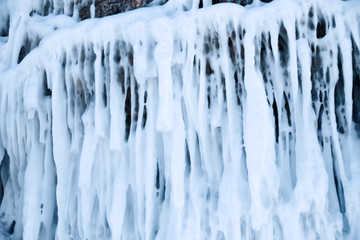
174 122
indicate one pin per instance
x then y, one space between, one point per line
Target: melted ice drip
217 123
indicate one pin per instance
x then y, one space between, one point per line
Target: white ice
174 122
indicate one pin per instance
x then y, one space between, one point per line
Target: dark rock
109 7
84 11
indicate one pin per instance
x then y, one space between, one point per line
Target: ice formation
182 121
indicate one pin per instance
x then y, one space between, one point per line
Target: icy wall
174 122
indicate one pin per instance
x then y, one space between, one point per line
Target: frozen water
175 122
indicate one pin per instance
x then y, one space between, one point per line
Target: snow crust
174 122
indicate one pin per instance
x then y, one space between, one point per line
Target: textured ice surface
174 122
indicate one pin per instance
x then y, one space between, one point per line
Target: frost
174 122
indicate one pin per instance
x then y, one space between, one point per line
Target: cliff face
175 122
110 7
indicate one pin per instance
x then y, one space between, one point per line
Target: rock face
110 7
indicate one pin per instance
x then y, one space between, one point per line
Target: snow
174 122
